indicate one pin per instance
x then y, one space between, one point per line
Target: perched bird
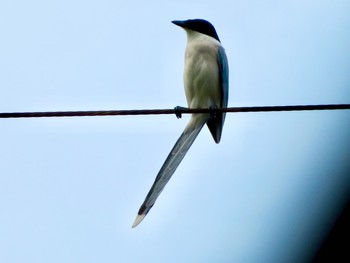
206 86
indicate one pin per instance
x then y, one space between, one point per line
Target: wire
178 111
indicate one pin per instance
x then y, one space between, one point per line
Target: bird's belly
201 79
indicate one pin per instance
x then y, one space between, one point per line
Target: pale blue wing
216 123
224 73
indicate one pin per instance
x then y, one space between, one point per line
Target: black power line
178 111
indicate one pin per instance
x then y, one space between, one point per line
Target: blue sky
70 188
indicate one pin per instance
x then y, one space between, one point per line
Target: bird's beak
178 23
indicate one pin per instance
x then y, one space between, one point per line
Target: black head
199 25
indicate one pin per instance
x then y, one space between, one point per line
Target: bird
206 81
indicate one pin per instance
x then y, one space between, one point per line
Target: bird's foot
178 111
213 112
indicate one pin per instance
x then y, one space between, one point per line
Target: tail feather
173 160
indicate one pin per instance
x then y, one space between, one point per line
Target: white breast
201 75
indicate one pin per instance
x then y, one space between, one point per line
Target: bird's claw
178 112
213 112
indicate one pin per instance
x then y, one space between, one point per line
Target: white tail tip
138 220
